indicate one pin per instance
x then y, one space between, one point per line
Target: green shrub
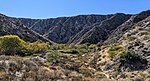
69 51
143 33
128 54
55 57
115 50
104 46
36 47
82 46
57 46
92 46
146 37
129 59
131 38
72 48
10 44
83 51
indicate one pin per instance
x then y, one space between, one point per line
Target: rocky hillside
125 27
76 29
100 31
91 29
63 29
10 27
127 49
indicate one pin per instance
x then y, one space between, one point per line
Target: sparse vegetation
129 60
143 33
69 51
92 46
72 49
131 38
128 54
115 50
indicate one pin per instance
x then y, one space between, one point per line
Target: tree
36 47
10 44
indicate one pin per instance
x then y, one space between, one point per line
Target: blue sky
58 8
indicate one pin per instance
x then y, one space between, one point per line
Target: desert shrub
86 71
57 46
143 33
53 57
72 46
81 51
104 46
72 49
146 37
36 47
56 57
82 46
10 44
61 46
92 46
115 50
131 38
129 59
38 54
69 51
128 54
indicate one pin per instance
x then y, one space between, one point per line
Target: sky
57 8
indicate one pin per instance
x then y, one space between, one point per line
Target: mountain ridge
76 29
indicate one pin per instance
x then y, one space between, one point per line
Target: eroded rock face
62 30
126 26
76 29
101 31
10 27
